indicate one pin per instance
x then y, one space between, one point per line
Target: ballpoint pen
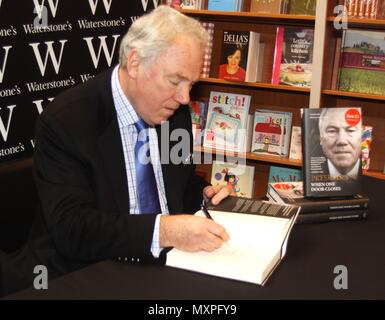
205 211
208 216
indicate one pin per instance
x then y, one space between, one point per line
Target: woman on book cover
232 70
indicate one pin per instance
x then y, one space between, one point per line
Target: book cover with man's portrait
331 146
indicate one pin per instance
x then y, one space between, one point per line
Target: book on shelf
266 6
367 9
191 4
238 177
259 233
319 210
271 132
293 56
209 26
302 7
283 174
225 5
241 56
296 143
228 122
362 62
367 138
331 151
198 114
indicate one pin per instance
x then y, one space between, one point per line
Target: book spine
305 154
354 204
278 55
373 9
331 216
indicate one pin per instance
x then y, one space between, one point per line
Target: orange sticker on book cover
352 117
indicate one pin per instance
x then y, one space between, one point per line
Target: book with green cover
303 7
362 62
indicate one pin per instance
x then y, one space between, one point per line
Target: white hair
153 33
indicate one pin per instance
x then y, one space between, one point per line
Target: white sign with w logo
94 5
40 7
2 70
49 53
102 46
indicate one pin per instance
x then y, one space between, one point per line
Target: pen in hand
205 211
208 216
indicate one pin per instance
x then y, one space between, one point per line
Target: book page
253 249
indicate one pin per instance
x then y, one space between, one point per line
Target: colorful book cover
293 57
205 72
226 125
282 174
367 138
331 145
240 178
241 56
302 7
362 62
271 134
266 6
234 54
198 112
223 5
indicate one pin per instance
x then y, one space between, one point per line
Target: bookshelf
287 98
373 106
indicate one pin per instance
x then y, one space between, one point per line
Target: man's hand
191 233
217 194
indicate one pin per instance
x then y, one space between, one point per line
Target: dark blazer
82 185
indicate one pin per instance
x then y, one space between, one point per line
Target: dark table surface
307 271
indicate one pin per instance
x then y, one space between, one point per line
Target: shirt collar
124 109
352 173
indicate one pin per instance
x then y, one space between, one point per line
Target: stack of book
315 210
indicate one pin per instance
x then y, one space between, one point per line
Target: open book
258 231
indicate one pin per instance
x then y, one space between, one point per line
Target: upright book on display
241 56
293 56
227 124
331 146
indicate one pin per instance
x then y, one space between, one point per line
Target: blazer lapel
110 145
111 152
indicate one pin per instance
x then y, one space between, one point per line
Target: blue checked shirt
126 119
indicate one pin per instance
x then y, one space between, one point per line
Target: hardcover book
209 26
302 7
271 134
283 174
331 147
362 62
292 193
240 178
296 143
266 6
259 233
198 114
293 57
241 54
223 5
227 119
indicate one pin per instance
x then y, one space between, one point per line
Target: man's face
340 142
165 84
